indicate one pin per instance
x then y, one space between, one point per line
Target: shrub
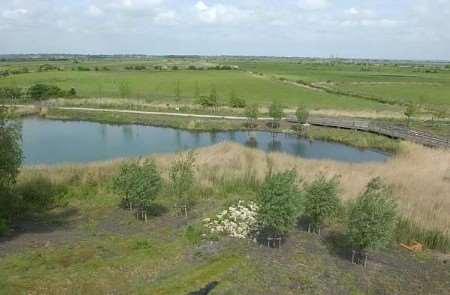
39 194
139 183
3 226
410 111
194 234
275 112
252 112
322 200
72 92
239 221
372 218
43 91
181 176
11 93
279 203
302 115
124 90
235 101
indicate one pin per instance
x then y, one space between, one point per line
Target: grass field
160 87
398 84
90 245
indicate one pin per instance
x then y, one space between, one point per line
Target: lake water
54 142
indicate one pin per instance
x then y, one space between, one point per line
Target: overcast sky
413 29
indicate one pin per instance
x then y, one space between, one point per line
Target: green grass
106 250
398 85
160 86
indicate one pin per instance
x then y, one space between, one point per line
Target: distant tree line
35 92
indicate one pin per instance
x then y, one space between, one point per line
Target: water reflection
127 132
47 141
274 146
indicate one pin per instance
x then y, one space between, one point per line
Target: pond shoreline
55 141
357 139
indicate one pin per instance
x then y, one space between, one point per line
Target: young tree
252 113
124 89
10 161
72 92
181 176
11 93
322 200
139 184
177 92
410 112
196 90
123 181
276 112
373 217
43 91
147 184
279 201
213 97
235 101
302 115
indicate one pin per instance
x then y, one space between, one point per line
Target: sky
391 29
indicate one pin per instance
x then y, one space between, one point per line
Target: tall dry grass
420 176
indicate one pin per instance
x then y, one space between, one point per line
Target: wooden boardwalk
386 129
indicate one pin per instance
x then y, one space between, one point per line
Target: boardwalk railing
391 130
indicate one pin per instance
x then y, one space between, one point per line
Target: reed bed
420 176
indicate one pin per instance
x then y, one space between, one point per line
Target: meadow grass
421 190
160 86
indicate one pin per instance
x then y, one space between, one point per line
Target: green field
426 85
369 87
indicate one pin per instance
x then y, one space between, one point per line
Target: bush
139 183
302 115
252 112
3 226
275 112
181 176
11 93
238 221
279 202
322 200
39 194
43 91
72 92
236 102
373 217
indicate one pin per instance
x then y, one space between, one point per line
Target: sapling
372 217
322 201
181 176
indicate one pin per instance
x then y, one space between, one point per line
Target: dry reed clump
420 176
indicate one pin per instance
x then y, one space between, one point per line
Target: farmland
324 84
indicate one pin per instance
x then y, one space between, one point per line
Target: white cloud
313 4
166 17
95 11
14 13
219 13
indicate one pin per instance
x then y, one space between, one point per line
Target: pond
53 142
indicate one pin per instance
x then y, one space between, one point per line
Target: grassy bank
90 245
353 138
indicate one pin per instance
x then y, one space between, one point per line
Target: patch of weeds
194 234
407 232
91 226
141 244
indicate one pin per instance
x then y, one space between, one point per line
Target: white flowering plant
238 221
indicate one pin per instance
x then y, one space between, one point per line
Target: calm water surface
53 142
